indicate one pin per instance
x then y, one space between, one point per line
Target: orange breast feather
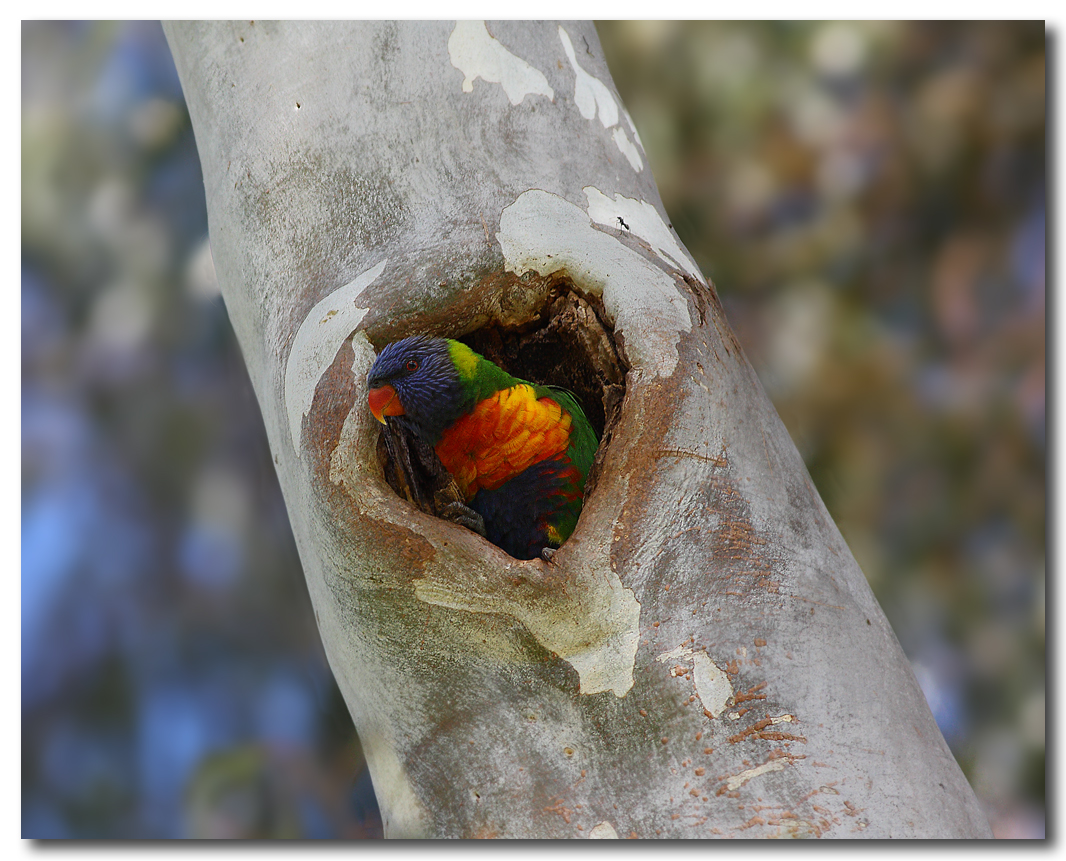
501 437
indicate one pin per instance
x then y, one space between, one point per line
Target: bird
519 452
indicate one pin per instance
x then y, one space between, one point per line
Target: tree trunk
703 657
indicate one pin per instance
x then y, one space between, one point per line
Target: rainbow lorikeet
519 452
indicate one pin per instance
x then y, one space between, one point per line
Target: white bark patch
625 146
711 684
594 626
590 93
476 54
593 97
633 127
319 337
405 816
641 219
543 233
603 831
738 780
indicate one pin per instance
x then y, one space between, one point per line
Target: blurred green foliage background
869 199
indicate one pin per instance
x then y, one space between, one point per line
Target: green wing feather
583 442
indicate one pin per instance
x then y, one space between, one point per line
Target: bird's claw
547 553
464 515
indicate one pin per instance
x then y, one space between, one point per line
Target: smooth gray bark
703 657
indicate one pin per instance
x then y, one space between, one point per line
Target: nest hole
568 344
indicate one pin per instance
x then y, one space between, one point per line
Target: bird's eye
412 365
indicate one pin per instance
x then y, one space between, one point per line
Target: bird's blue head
416 380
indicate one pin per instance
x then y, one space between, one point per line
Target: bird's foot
464 515
547 553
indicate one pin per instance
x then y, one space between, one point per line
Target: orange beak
384 402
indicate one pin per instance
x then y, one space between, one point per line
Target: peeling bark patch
590 94
324 329
603 831
543 233
406 815
758 731
591 621
712 685
750 694
476 54
774 763
593 97
641 219
625 146
632 127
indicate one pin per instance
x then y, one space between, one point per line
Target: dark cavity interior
568 345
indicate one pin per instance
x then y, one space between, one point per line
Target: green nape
480 377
